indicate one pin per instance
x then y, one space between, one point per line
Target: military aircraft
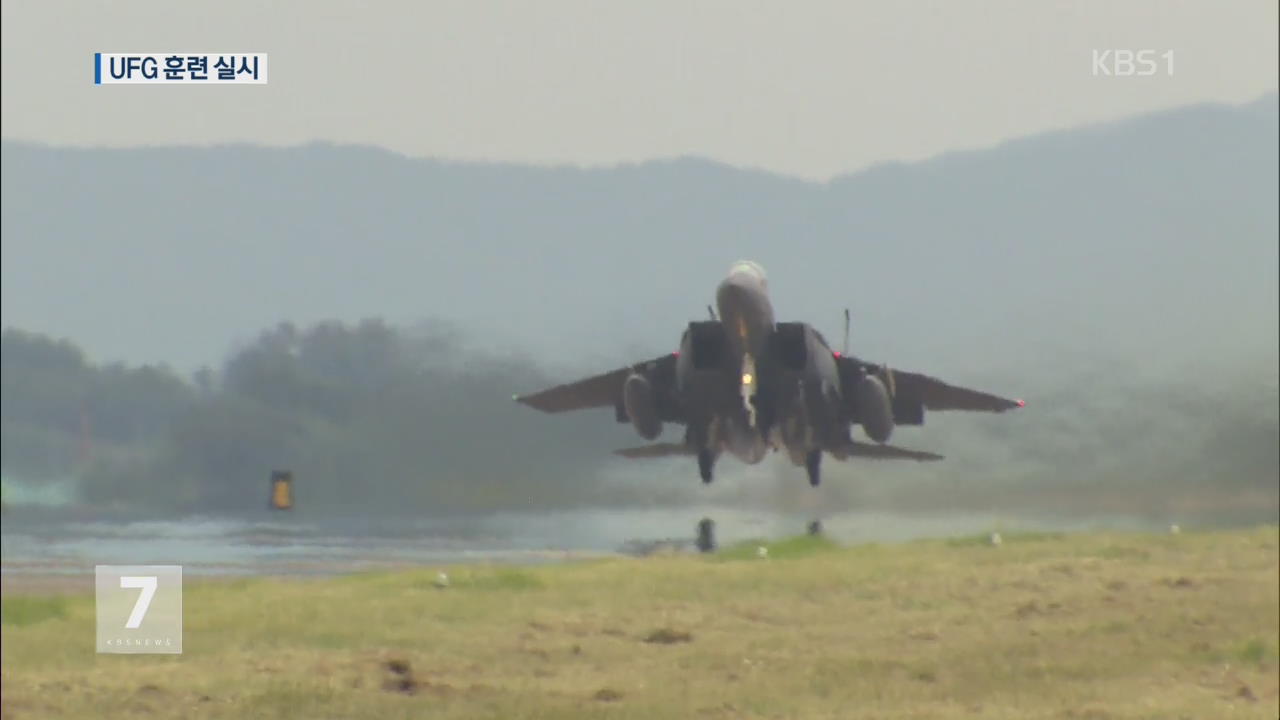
746 384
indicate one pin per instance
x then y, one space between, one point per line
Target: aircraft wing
605 390
935 394
913 392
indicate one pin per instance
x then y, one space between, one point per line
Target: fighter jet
746 384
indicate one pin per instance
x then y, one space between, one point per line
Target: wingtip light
1021 403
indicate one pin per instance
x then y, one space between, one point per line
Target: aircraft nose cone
734 300
731 292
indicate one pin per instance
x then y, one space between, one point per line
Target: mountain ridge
559 260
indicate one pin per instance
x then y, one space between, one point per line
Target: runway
54 542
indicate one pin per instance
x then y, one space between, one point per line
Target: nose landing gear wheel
705 461
813 465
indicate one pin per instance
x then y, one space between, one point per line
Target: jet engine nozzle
875 408
637 398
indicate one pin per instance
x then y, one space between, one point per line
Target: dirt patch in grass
399 677
667 636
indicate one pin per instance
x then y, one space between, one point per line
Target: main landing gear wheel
813 465
705 462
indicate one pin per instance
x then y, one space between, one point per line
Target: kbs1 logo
180 68
1132 63
139 608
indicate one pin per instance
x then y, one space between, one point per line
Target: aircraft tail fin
655 450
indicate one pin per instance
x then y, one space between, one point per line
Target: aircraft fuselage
752 399
742 300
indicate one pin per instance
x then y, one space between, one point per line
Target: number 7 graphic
147 583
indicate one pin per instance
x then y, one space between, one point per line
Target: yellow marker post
281 490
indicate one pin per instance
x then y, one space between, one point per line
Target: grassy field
1043 626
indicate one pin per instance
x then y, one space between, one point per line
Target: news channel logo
139 608
179 68
1122 62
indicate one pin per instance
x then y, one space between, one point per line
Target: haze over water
282 543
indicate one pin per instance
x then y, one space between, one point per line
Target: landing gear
705 461
813 465
748 389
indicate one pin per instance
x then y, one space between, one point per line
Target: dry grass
1045 626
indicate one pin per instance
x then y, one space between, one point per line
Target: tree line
366 415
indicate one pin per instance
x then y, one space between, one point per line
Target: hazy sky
810 89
